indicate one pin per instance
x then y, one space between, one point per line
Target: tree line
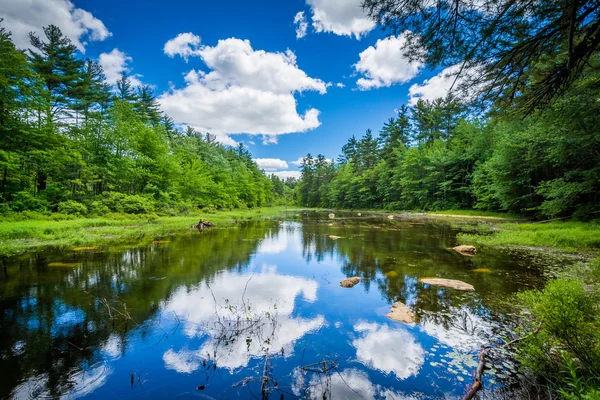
441 154
70 142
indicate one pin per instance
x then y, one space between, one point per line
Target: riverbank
19 236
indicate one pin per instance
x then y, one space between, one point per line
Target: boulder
448 283
390 217
401 313
465 250
350 282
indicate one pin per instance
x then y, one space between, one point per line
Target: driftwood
478 377
202 225
478 384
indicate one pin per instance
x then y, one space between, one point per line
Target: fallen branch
478 376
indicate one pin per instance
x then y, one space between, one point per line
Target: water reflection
390 350
211 307
217 308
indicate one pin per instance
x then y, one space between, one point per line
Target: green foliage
432 158
562 344
25 201
65 138
72 207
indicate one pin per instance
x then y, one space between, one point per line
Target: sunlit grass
565 236
20 236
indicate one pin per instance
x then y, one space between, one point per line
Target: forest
443 154
71 143
519 133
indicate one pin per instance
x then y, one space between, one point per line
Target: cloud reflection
269 295
388 350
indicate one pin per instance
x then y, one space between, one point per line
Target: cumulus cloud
286 174
385 64
184 45
440 85
271 164
261 291
341 17
340 85
247 91
114 64
388 350
21 17
301 25
301 159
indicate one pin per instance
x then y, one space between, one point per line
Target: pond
257 311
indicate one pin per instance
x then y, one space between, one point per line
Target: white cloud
271 164
200 316
340 85
386 64
21 17
184 45
439 85
115 63
301 25
299 161
286 174
247 91
341 17
388 350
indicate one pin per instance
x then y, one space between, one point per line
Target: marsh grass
18 236
564 236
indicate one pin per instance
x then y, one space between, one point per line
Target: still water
256 311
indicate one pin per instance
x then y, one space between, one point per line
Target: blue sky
249 66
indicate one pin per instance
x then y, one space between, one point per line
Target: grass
568 236
30 235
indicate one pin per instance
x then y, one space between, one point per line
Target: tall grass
565 236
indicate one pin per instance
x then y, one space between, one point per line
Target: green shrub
98 208
72 207
25 201
135 204
565 318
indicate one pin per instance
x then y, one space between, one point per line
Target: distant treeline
70 142
436 156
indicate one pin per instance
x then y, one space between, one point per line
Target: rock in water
359 214
449 283
401 313
332 215
390 217
465 250
350 282
332 237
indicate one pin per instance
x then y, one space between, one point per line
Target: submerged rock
401 313
465 250
391 274
350 282
449 283
484 270
84 248
63 264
